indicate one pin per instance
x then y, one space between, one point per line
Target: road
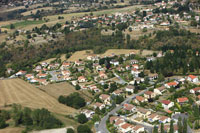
102 125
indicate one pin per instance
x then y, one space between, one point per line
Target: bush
82 118
70 130
83 129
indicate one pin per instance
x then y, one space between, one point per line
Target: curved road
102 125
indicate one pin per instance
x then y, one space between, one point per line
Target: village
153 99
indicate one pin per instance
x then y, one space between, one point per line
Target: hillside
21 92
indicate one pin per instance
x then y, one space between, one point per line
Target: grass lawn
24 23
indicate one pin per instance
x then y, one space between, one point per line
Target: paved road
121 80
102 125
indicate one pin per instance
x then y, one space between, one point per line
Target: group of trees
31 119
73 100
183 60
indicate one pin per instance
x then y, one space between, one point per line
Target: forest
31 119
25 56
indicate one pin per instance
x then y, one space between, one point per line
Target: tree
2 123
180 126
83 129
12 26
77 87
171 130
162 130
155 129
70 130
82 118
184 125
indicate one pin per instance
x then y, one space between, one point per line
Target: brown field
35 10
20 92
64 88
80 55
11 130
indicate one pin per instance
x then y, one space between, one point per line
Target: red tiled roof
172 83
192 76
183 99
166 102
140 98
125 126
148 92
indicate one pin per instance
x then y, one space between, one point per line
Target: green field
25 23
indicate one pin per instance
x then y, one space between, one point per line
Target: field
20 92
79 55
35 10
64 88
24 24
11 130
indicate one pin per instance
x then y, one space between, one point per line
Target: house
78 63
53 66
167 128
166 104
171 84
94 88
113 119
80 68
135 72
159 90
66 72
43 81
142 112
139 99
129 88
153 117
119 122
117 92
129 107
34 80
138 80
105 98
136 66
88 113
138 129
38 68
66 77
41 75
198 100
29 76
182 100
114 62
102 75
149 94
193 79
151 58
65 65
128 67
20 73
99 105
133 62
81 79
164 119
195 90
153 76
125 128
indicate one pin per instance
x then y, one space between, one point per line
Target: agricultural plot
20 92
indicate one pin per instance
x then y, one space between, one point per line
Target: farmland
21 92
57 89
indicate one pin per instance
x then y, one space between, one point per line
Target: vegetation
73 100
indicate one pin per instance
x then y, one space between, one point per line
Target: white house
81 79
159 90
99 105
129 88
138 129
166 104
88 113
105 98
129 107
135 72
171 84
164 119
195 90
20 73
193 79
114 62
